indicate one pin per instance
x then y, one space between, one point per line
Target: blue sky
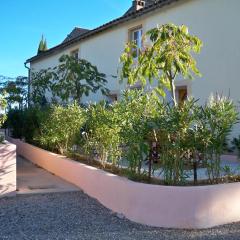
22 22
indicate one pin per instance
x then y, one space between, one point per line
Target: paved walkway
74 215
33 179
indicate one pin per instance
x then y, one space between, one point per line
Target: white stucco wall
215 22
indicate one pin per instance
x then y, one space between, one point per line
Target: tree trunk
173 91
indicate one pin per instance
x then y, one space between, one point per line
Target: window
181 94
74 54
136 37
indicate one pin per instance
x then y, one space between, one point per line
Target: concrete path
33 179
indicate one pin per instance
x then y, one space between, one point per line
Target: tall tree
42 45
3 104
14 91
70 80
73 78
41 83
166 54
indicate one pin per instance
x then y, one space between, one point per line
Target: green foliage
32 119
25 123
3 104
102 134
73 78
42 47
69 81
59 129
216 121
127 134
166 54
15 122
40 85
15 91
136 110
176 139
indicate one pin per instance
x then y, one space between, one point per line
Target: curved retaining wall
154 205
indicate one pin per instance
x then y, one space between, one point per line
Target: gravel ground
76 216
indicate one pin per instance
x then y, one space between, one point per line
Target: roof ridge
157 4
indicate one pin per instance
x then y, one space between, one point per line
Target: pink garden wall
154 205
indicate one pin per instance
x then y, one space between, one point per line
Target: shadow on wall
7 169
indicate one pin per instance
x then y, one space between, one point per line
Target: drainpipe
29 71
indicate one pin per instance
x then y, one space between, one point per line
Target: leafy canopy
60 128
69 81
166 53
42 45
73 78
15 91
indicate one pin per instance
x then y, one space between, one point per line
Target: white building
215 22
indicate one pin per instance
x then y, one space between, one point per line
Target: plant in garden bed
102 139
176 140
25 123
136 110
165 55
216 121
59 130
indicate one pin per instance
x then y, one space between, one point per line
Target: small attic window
74 53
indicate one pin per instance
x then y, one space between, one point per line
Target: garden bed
154 205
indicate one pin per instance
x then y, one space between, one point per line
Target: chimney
138 4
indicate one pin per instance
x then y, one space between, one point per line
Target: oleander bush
101 136
137 109
140 134
59 128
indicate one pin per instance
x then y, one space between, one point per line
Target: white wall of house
215 22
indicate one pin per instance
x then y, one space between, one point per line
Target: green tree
3 104
41 83
73 78
15 91
166 54
67 82
42 45
61 127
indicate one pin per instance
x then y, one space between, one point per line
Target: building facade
215 22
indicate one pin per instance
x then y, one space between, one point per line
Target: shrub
136 110
59 130
15 123
176 139
102 139
25 124
216 121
